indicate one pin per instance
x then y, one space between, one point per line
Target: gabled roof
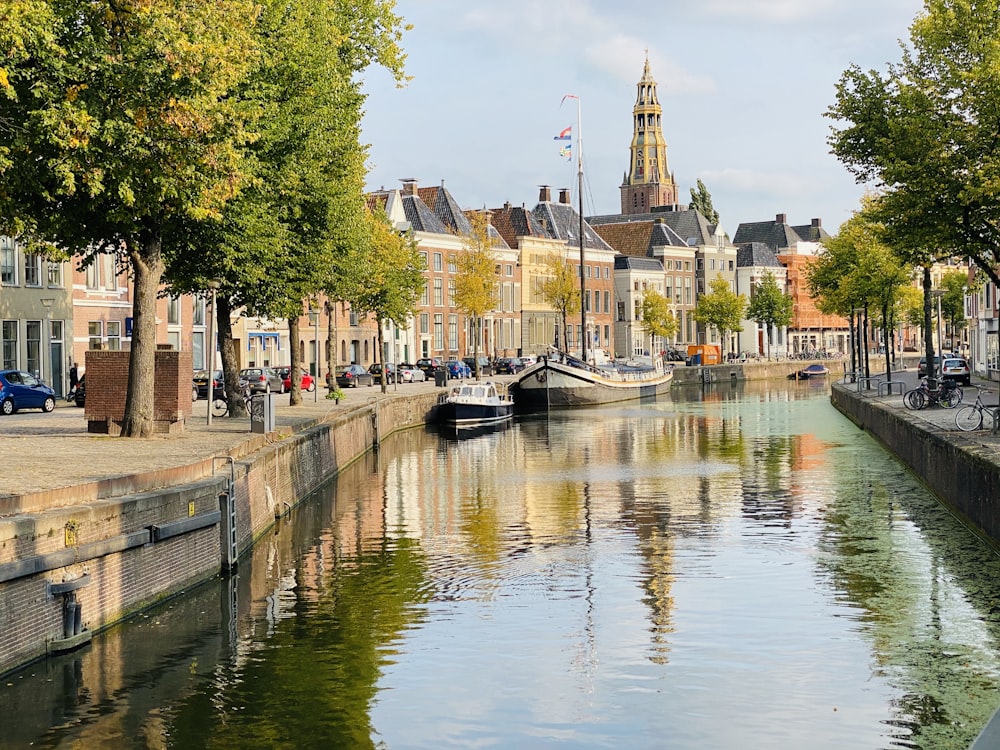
812 232
446 208
688 226
421 218
560 221
632 238
512 222
623 262
779 234
756 255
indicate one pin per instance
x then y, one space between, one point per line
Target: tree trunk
147 270
380 358
475 345
295 391
332 345
929 330
886 335
230 362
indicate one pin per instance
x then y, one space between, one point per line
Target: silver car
263 380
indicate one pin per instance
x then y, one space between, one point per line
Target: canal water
727 568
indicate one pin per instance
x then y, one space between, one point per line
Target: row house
795 248
754 261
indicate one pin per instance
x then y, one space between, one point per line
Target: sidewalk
40 452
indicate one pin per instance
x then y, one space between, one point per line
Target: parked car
262 380
377 368
458 369
306 383
351 376
200 381
22 390
508 366
529 359
956 369
485 365
411 374
429 365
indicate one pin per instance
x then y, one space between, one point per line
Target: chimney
817 223
564 196
544 196
409 185
780 219
506 205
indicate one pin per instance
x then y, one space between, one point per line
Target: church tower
649 182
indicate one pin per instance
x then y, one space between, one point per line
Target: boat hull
474 415
557 385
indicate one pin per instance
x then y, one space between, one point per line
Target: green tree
391 280
126 130
925 133
657 317
701 201
561 290
769 306
476 282
955 285
722 309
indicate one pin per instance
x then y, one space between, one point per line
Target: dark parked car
485 366
263 380
351 376
22 390
429 365
200 381
80 395
508 366
377 368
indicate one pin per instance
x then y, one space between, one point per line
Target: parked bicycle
947 394
220 406
970 417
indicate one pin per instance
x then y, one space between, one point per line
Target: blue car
458 369
22 390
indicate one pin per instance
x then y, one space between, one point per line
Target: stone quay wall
71 569
961 471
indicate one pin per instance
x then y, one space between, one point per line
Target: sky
744 86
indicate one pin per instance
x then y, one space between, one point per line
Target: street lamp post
47 338
214 285
314 319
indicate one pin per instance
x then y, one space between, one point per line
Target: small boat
816 370
474 404
560 380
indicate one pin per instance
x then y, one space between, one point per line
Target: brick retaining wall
962 472
111 544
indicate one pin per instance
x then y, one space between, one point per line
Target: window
198 315
32 269
588 271
730 265
55 277
33 346
10 344
93 274
425 294
425 323
437 261
110 271
621 310
451 292
711 264
607 301
452 264
453 333
438 332
173 311
607 272
635 286
638 310
114 335
587 302
198 350
438 293
677 265
509 269
8 261
95 334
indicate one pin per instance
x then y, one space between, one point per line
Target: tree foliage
701 201
769 306
721 308
926 132
476 286
561 290
657 317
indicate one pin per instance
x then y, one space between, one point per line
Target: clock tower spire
649 181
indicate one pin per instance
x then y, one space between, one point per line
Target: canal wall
962 472
76 561
751 370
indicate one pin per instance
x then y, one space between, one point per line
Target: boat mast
583 283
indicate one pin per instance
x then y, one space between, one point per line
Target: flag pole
579 179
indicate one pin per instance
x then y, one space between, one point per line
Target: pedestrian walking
74 381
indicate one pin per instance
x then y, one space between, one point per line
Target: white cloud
622 56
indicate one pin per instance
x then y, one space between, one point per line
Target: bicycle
220 406
948 394
970 417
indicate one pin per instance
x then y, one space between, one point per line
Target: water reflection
730 563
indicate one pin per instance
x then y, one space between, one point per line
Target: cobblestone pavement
41 451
